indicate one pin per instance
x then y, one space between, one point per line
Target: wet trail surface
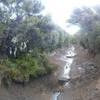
84 75
76 76
68 58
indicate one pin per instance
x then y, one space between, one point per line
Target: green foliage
28 65
72 39
44 62
26 37
97 43
88 19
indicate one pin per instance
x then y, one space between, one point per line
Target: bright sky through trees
60 10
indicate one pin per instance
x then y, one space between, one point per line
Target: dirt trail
86 89
42 88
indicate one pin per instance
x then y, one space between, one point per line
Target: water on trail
68 58
55 95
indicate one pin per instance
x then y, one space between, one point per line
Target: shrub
97 43
28 65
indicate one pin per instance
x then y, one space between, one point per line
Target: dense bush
28 65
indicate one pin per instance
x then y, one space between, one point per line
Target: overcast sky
60 10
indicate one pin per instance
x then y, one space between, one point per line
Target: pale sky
60 10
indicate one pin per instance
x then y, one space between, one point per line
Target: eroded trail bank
74 64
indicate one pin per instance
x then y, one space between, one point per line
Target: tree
25 38
88 19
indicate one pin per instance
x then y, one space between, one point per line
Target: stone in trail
63 80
